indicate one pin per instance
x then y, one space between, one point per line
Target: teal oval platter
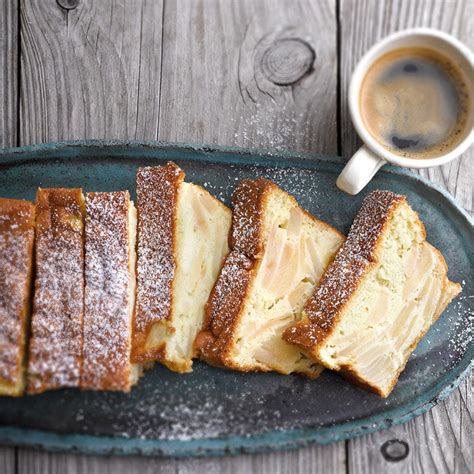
214 411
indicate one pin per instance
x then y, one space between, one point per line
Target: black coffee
415 102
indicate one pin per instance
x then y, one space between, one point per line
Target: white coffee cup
372 155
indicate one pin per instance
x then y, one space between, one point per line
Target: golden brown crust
157 190
106 347
223 308
56 325
227 299
341 279
17 222
248 213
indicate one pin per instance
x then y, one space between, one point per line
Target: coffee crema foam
415 102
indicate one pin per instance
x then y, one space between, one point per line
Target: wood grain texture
9 53
91 71
318 459
250 73
7 460
37 462
440 440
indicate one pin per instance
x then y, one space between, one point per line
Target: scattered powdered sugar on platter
461 328
293 180
192 413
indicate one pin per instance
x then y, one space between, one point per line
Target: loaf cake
17 231
182 241
278 253
383 291
110 232
56 323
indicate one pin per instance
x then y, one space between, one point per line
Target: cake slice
383 291
279 252
182 241
56 323
110 231
17 231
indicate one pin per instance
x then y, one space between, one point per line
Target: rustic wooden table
255 73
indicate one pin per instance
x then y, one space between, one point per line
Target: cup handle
360 169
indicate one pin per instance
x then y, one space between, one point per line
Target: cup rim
354 110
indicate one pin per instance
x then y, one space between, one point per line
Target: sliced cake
17 231
110 231
182 241
56 324
279 252
383 291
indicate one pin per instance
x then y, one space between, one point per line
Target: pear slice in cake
17 232
279 252
383 291
110 254
182 241
55 349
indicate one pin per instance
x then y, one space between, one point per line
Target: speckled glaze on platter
214 411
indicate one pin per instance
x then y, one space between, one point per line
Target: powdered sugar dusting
248 215
224 305
461 328
106 349
194 411
16 247
297 182
157 189
282 128
55 346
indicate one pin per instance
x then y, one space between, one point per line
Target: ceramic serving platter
215 411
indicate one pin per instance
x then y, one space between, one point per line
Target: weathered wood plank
8 123
90 72
37 462
234 78
440 440
316 459
7 460
8 72
327 459
259 74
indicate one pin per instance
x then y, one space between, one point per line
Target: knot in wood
287 60
68 4
395 450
